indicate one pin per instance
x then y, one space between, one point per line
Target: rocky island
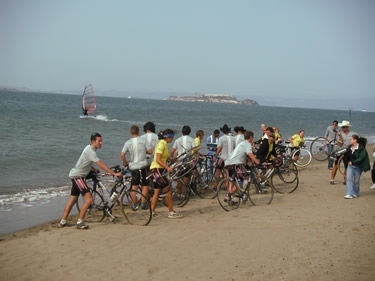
215 98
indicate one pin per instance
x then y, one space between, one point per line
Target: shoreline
311 234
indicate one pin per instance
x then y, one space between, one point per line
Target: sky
295 49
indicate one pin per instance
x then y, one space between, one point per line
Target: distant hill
213 98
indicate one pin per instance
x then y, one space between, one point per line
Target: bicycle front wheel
136 208
180 193
318 150
228 200
302 156
95 212
204 188
259 193
341 165
285 179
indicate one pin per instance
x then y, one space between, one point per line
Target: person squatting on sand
78 175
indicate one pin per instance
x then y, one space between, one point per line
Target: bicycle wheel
341 165
228 201
318 150
136 208
204 189
303 157
180 193
259 193
95 213
285 179
184 166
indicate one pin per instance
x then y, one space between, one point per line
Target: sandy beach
311 234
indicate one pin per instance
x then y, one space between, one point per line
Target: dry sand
311 234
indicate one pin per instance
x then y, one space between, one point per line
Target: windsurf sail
88 100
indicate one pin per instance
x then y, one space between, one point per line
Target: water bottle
245 182
114 196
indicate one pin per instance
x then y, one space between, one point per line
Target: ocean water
42 135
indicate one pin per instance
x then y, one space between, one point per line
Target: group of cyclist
150 153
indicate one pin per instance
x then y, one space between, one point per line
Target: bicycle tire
319 151
180 193
285 180
304 157
136 216
95 213
222 192
341 165
204 189
259 194
184 166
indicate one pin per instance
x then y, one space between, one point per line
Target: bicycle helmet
277 162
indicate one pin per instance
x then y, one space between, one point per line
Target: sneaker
372 187
349 197
332 182
355 196
61 225
344 183
154 215
174 215
144 206
134 207
226 199
81 225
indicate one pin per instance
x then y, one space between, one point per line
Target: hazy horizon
287 51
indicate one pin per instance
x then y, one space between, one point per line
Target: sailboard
88 101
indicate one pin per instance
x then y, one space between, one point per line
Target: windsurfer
85 111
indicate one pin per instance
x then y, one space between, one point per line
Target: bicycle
281 175
251 190
300 156
118 200
321 149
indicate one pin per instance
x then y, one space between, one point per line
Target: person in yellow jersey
297 141
159 169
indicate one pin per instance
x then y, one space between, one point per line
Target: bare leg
86 205
68 206
168 198
155 199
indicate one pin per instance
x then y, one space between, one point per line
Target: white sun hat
345 123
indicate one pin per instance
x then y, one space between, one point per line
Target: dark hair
360 140
335 122
217 132
248 134
149 126
239 129
186 130
269 129
162 134
94 136
134 130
